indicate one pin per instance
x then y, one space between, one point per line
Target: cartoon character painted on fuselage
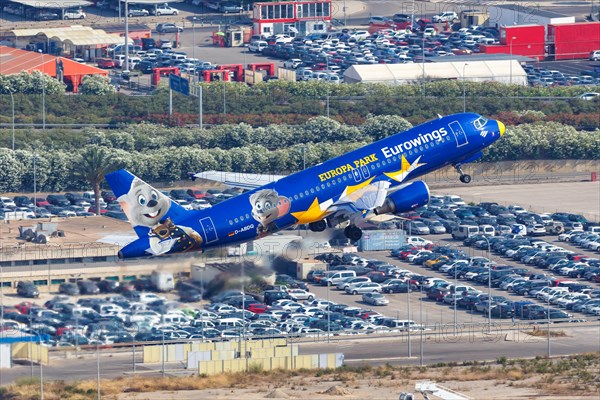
267 206
147 207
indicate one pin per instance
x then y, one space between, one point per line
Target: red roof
13 61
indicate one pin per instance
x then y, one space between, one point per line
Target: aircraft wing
237 179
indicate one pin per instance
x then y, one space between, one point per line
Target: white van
175 319
339 276
465 231
487 230
453 200
229 323
257 46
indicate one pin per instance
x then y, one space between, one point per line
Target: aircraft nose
501 128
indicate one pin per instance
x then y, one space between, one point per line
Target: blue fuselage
449 140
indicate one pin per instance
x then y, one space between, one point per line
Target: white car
185 204
300 294
7 202
447 16
74 13
164 9
352 281
589 96
417 241
292 63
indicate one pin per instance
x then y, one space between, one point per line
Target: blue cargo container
381 240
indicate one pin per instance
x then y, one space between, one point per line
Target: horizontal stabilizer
238 179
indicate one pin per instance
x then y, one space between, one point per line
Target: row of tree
153 154
291 102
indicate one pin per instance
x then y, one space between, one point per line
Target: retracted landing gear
353 232
464 178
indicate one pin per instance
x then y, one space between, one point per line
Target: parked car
164 9
376 299
137 12
27 289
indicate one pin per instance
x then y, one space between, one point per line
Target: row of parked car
129 315
537 76
346 48
450 214
83 204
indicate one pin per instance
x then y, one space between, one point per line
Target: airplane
374 179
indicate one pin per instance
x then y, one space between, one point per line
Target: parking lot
134 311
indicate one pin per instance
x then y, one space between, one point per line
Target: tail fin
145 206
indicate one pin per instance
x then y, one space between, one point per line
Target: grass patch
544 333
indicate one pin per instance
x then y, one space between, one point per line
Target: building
515 14
292 17
524 40
70 41
504 71
13 61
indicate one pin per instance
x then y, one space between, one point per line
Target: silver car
376 299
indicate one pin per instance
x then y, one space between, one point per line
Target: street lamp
511 57
408 308
126 36
12 100
489 287
43 91
464 89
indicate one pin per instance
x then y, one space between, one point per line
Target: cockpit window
480 123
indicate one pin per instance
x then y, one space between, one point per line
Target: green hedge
162 154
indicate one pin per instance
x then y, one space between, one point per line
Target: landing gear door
210 233
459 134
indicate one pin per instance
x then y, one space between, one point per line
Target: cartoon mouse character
146 207
267 206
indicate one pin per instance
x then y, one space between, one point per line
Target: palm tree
96 162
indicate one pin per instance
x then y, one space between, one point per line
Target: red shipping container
572 41
527 50
522 34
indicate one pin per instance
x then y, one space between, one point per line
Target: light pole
12 100
511 57
126 36
408 308
489 287
548 318
328 84
422 327
98 370
455 278
194 41
464 89
346 20
34 183
43 91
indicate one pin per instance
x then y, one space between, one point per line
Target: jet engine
411 196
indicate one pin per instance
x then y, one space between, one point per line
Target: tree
96 85
95 162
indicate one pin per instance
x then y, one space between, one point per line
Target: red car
92 209
39 202
257 308
405 254
197 193
105 63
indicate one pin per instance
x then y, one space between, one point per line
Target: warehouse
505 71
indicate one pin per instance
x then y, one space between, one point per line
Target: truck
162 281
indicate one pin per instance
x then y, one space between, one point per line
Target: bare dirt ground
573 377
